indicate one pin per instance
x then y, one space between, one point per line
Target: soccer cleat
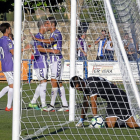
65 109
33 105
48 109
7 109
80 124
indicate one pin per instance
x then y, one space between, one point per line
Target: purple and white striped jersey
57 44
6 57
40 58
82 44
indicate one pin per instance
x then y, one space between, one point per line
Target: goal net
117 61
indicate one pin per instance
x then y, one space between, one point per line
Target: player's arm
93 100
85 54
27 47
12 51
85 106
41 49
97 41
47 41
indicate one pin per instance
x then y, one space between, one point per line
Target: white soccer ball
97 122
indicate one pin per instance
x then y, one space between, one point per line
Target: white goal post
75 18
17 70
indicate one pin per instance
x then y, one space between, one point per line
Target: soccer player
117 101
56 64
100 41
41 66
6 55
82 51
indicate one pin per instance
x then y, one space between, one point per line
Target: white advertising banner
108 70
66 72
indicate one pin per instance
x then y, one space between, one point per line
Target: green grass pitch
55 124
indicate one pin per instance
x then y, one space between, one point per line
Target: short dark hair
103 31
126 34
75 80
40 23
4 26
52 20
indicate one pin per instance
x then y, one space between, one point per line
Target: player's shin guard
43 93
63 96
10 97
53 94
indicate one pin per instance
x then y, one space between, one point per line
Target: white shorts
57 69
41 74
9 77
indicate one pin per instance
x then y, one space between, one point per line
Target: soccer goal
115 21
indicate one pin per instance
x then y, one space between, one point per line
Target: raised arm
41 49
85 106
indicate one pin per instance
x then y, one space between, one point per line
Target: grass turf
55 124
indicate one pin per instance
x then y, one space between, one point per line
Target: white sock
53 94
4 91
43 93
36 95
63 97
10 98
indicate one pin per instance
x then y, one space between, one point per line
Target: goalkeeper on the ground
117 101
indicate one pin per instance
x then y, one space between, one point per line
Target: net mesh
92 19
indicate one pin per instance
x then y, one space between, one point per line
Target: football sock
53 95
63 97
10 98
4 91
43 93
36 95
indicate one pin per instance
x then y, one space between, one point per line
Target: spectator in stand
130 48
101 41
108 49
82 51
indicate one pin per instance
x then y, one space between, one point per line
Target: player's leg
110 121
43 84
63 98
132 123
85 67
4 91
62 90
9 77
41 88
55 76
83 111
33 104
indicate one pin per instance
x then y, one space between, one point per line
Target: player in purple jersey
82 51
40 66
55 43
6 56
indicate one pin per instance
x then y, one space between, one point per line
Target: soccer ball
97 122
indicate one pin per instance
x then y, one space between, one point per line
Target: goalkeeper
117 101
